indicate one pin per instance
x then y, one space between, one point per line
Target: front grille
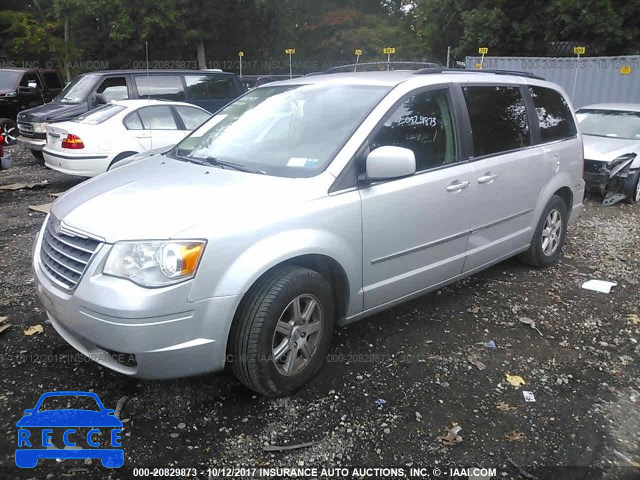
64 256
25 128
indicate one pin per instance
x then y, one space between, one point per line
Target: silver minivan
303 205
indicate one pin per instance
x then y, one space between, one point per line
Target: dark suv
209 89
20 89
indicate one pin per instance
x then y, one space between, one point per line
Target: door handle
457 186
487 177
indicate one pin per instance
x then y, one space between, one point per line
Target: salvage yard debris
528 396
19 186
601 286
504 407
42 208
452 437
474 361
515 380
284 448
531 323
33 330
4 325
633 318
515 436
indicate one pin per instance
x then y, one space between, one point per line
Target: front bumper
36 144
141 332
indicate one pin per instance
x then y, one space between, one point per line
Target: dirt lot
396 382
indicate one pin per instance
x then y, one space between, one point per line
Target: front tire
549 235
39 156
634 191
282 331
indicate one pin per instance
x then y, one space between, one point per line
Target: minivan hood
159 197
52 112
606 149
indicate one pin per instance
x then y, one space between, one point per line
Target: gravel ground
396 383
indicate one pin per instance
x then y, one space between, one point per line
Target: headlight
39 127
622 158
154 264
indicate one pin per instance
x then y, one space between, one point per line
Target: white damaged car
611 136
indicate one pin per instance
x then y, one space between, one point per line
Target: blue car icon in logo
85 426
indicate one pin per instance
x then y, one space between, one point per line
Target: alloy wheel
551 233
297 333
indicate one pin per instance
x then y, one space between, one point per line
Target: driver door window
423 124
114 88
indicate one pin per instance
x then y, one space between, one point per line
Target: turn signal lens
72 142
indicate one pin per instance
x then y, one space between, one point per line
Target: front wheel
282 331
634 192
549 235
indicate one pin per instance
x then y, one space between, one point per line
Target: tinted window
133 122
30 80
157 118
192 117
424 124
52 80
168 87
114 88
498 119
209 87
8 80
554 116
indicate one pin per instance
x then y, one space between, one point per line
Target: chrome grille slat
52 255
70 242
65 256
63 251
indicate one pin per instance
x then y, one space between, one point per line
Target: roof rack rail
356 67
463 70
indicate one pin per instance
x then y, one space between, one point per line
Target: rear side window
554 115
192 117
157 118
498 119
168 87
52 80
209 87
424 124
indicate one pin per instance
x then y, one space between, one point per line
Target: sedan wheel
9 131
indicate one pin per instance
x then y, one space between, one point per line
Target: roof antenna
146 48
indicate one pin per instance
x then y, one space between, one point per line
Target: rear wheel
634 193
39 156
282 331
9 130
549 235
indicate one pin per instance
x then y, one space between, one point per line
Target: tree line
78 34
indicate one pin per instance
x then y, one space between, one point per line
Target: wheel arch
120 156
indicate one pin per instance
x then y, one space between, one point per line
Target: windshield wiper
213 161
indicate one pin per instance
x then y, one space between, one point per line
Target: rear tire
549 235
634 192
39 156
282 331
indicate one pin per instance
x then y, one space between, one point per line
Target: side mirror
99 99
390 162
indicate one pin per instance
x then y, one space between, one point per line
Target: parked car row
31 99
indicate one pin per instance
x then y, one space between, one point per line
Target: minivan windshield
9 80
78 90
610 123
283 130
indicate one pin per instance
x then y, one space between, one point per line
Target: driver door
415 229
